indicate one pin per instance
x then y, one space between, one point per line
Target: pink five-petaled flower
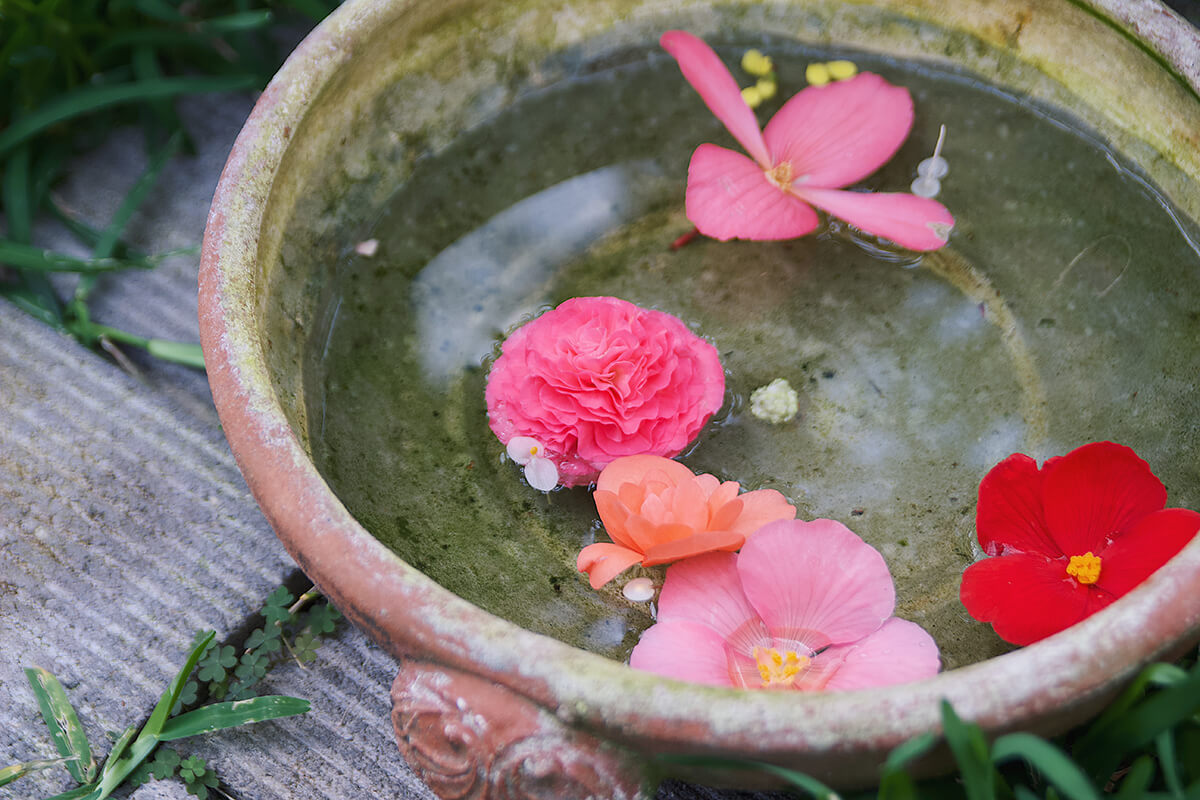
599 378
804 605
822 139
1068 539
657 511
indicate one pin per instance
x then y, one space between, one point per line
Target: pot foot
470 739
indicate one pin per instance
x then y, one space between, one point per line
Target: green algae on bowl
1063 311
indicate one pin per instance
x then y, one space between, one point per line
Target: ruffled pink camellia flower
804 606
1068 539
599 378
824 138
657 511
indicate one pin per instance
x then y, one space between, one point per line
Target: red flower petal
1153 541
1027 597
1009 517
1095 492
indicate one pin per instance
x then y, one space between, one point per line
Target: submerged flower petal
816 582
840 133
917 223
1095 492
730 197
713 82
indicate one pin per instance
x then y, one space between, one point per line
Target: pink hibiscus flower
804 605
824 138
1068 539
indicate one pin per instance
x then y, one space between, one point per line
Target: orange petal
603 561
703 542
615 516
760 507
689 505
726 516
636 470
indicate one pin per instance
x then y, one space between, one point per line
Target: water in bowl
1065 310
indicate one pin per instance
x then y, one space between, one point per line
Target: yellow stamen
752 96
755 63
817 74
533 451
840 70
779 670
781 175
1084 568
766 88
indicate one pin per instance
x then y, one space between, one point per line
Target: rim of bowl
412 616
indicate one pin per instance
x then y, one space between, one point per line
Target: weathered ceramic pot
482 707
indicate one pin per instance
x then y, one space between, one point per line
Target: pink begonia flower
599 378
804 605
657 511
824 138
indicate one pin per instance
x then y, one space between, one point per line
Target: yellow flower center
779 670
781 175
1084 568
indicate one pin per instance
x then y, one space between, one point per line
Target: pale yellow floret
766 88
757 64
1084 568
841 70
752 96
779 669
777 402
817 74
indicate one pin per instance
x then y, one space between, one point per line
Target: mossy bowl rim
1045 687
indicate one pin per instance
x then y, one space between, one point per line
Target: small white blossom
540 471
777 402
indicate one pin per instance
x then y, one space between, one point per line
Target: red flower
1068 539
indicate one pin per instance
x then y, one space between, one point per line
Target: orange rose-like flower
657 510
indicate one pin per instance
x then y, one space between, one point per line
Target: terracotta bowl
482 707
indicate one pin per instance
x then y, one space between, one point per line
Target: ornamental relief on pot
469 739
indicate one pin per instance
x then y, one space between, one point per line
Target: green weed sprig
69 73
182 711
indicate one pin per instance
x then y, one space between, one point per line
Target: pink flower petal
603 562
1096 491
917 223
1027 597
837 134
815 583
1153 541
707 590
708 76
687 651
729 197
1010 516
898 652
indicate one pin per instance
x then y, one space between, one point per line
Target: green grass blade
1159 675
93 98
970 752
60 717
161 711
14 771
1137 780
32 304
908 752
187 353
1164 747
1054 765
18 195
78 793
313 9
35 259
1103 748
219 716
241 21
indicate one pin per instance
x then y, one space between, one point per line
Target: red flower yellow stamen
1084 568
779 670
